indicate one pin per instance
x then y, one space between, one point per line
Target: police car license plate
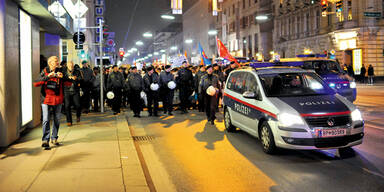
330 132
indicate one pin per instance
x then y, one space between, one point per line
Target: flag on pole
223 51
204 56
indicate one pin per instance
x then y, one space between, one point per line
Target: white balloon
154 86
110 95
211 90
171 85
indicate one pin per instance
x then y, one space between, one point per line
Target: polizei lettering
318 103
242 109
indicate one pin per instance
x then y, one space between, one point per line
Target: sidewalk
98 154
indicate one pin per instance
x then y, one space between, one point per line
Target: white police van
290 108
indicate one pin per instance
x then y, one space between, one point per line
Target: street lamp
156 53
168 17
139 43
174 48
147 35
134 49
261 17
189 41
212 32
162 51
150 55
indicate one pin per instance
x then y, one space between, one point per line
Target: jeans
46 119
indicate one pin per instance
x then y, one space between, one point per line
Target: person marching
86 85
151 88
167 86
134 85
185 85
51 80
209 87
72 92
200 97
116 84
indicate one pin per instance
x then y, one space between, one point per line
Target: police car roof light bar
276 64
311 55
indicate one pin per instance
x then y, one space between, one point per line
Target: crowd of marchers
66 86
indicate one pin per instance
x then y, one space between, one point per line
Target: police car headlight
286 120
352 85
356 115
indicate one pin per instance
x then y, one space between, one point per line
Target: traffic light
324 6
339 5
121 54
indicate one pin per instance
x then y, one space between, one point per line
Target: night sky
146 18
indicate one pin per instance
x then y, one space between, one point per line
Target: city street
185 153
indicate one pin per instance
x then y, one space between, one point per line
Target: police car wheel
266 138
227 121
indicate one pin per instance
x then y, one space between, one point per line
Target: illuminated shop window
26 67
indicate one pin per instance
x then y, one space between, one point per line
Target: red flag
223 51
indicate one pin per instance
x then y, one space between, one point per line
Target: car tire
227 121
266 138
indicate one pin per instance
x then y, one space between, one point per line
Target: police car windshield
323 66
294 84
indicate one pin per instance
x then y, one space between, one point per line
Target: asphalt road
185 153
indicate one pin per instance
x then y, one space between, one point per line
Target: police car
290 107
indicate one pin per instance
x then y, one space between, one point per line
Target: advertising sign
357 55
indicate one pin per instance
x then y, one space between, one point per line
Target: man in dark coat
208 80
134 85
86 85
363 71
115 84
200 96
371 74
151 77
72 79
185 86
167 94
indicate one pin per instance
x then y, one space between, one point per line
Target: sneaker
212 122
54 141
45 144
69 124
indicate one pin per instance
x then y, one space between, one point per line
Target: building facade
241 32
355 34
197 21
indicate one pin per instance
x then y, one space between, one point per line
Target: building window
250 46
256 43
64 47
317 19
233 9
349 5
243 4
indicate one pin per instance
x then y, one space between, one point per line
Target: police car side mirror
249 95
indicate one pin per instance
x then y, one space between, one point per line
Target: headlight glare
286 119
356 115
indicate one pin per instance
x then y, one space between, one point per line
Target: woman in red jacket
51 81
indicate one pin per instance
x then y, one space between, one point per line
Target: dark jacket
208 80
363 71
88 76
220 75
134 82
198 77
148 80
70 85
184 78
371 71
165 77
115 81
